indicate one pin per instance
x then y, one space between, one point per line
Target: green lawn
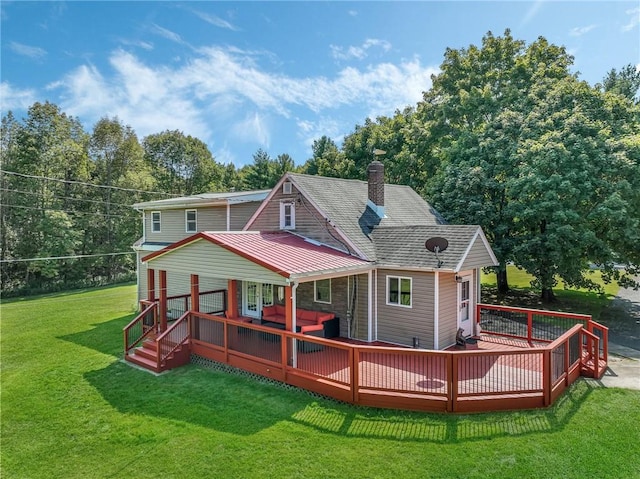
569 300
72 409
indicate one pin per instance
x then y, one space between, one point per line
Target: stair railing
592 348
142 325
173 338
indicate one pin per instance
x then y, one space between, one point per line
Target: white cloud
215 20
253 128
27 50
309 131
13 99
531 12
579 31
137 43
358 52
223 92
168 34
634 19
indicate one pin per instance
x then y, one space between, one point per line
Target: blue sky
272 75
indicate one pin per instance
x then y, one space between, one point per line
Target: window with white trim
155 222
191 220
399 291
287 216
322 291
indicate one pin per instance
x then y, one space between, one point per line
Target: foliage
71 408
625 82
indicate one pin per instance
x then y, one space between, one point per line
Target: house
353 249
165 222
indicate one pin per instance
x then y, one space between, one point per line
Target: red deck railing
559 348
141 326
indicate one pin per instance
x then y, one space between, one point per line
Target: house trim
479 233
277 188
436 309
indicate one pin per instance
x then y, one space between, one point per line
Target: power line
76 256
37 177
66 211
35 193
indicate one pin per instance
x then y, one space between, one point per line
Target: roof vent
286 188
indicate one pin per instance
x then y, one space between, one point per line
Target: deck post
163 300
232 299
546 377
452 376
354 361
151 292
195 293
529 326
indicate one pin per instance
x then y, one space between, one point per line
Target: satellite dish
437 245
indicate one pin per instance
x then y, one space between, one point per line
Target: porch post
232 298
288 307
195 293
163 300
151 284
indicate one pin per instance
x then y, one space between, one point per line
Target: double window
399 291
191 220
287 216
322 290
155 222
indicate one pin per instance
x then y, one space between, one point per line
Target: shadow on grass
214 400
105 337
234 403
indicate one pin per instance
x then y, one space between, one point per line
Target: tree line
506 137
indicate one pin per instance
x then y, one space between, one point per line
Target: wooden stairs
146 356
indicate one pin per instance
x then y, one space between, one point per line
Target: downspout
370 318
228 216
436 310
294 354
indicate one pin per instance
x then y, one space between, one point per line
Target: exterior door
465 305
254 297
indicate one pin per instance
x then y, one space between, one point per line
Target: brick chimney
375 178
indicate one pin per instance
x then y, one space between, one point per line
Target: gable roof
344 203
284 253
404 248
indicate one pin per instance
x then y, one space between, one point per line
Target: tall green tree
473 116
625 82
120 169
262 173
326 160
182 164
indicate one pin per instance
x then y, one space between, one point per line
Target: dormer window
287 216
191 220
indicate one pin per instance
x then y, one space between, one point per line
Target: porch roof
284 253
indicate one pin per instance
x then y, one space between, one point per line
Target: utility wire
36 193
85 184
76 256
73 212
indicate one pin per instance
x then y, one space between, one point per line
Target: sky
241 76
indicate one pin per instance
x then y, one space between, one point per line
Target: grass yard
568 300
72 409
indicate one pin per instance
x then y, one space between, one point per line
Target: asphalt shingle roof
405 246
344 202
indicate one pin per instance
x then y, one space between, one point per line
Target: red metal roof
281 252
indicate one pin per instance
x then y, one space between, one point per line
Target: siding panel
478 256
448 310
399 325
212 261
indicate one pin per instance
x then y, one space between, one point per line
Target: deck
500 371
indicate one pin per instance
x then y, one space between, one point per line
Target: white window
286 188
191 220
287 216
322 290
155 222
399 291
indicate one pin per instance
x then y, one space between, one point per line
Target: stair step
144 362
150 354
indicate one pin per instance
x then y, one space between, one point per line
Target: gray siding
308 221
399 325
359 322
477 257
448 310
211 261
173 225
240 214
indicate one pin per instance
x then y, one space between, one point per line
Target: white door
465 305
254 297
